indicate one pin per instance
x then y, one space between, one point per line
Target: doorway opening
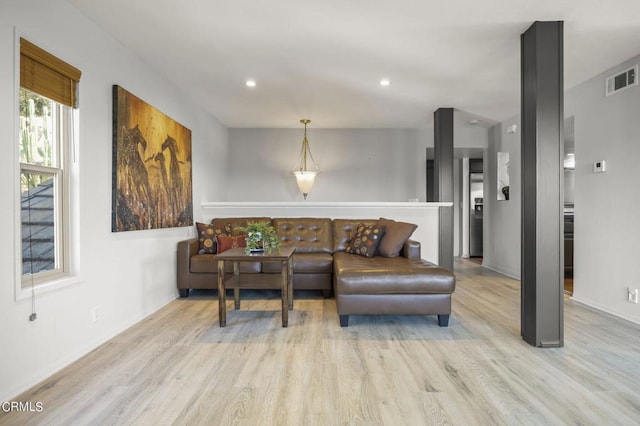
476 207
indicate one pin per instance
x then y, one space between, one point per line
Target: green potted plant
261 236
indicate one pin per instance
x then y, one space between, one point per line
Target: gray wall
457 212
501 225
356 164
607 205
606 250
569 186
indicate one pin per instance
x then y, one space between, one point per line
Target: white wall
607 205
128 275
356 164
501 226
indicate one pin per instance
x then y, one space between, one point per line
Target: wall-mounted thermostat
599 166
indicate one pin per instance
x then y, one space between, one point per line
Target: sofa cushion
395 235
227 242
203 263
304 263
384 275
307 234
345 229
206 238
365 241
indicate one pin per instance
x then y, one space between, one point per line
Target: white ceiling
323 59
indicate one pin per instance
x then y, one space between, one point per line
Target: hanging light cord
305 148
33 315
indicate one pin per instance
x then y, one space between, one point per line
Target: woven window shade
43 73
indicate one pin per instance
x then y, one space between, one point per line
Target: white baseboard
499 270
70 359
604 309
586 302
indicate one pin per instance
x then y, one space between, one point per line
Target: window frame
67 203
62 144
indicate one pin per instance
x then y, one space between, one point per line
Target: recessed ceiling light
251 83
385 82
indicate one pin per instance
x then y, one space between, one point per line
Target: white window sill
23 293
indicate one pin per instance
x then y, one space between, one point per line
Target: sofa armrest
186 249
411 249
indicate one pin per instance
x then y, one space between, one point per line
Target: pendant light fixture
306 168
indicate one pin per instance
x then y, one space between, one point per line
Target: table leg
236 298
284 271
236 291
290 282
222 301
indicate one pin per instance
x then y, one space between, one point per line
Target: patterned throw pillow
365 241
207 238
225 242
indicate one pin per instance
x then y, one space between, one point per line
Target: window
48 89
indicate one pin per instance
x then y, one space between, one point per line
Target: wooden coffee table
283 281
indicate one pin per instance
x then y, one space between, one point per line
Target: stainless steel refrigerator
476 198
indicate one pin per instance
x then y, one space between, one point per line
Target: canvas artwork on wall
151 167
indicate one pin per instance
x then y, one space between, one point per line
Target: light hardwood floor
179 367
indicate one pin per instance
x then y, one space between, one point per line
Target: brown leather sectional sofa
400 285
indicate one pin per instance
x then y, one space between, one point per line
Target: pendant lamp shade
306 168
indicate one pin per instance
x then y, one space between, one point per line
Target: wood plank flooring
178 367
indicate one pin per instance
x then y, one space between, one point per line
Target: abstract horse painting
151 167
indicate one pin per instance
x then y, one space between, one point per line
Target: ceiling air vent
621 81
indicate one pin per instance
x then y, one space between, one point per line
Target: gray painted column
443 181
542 149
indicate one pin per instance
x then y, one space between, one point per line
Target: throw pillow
395 235
365 241
207 238
225 242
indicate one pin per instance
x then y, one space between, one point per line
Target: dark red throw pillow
226 242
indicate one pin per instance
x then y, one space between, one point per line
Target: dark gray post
542 136
443 181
